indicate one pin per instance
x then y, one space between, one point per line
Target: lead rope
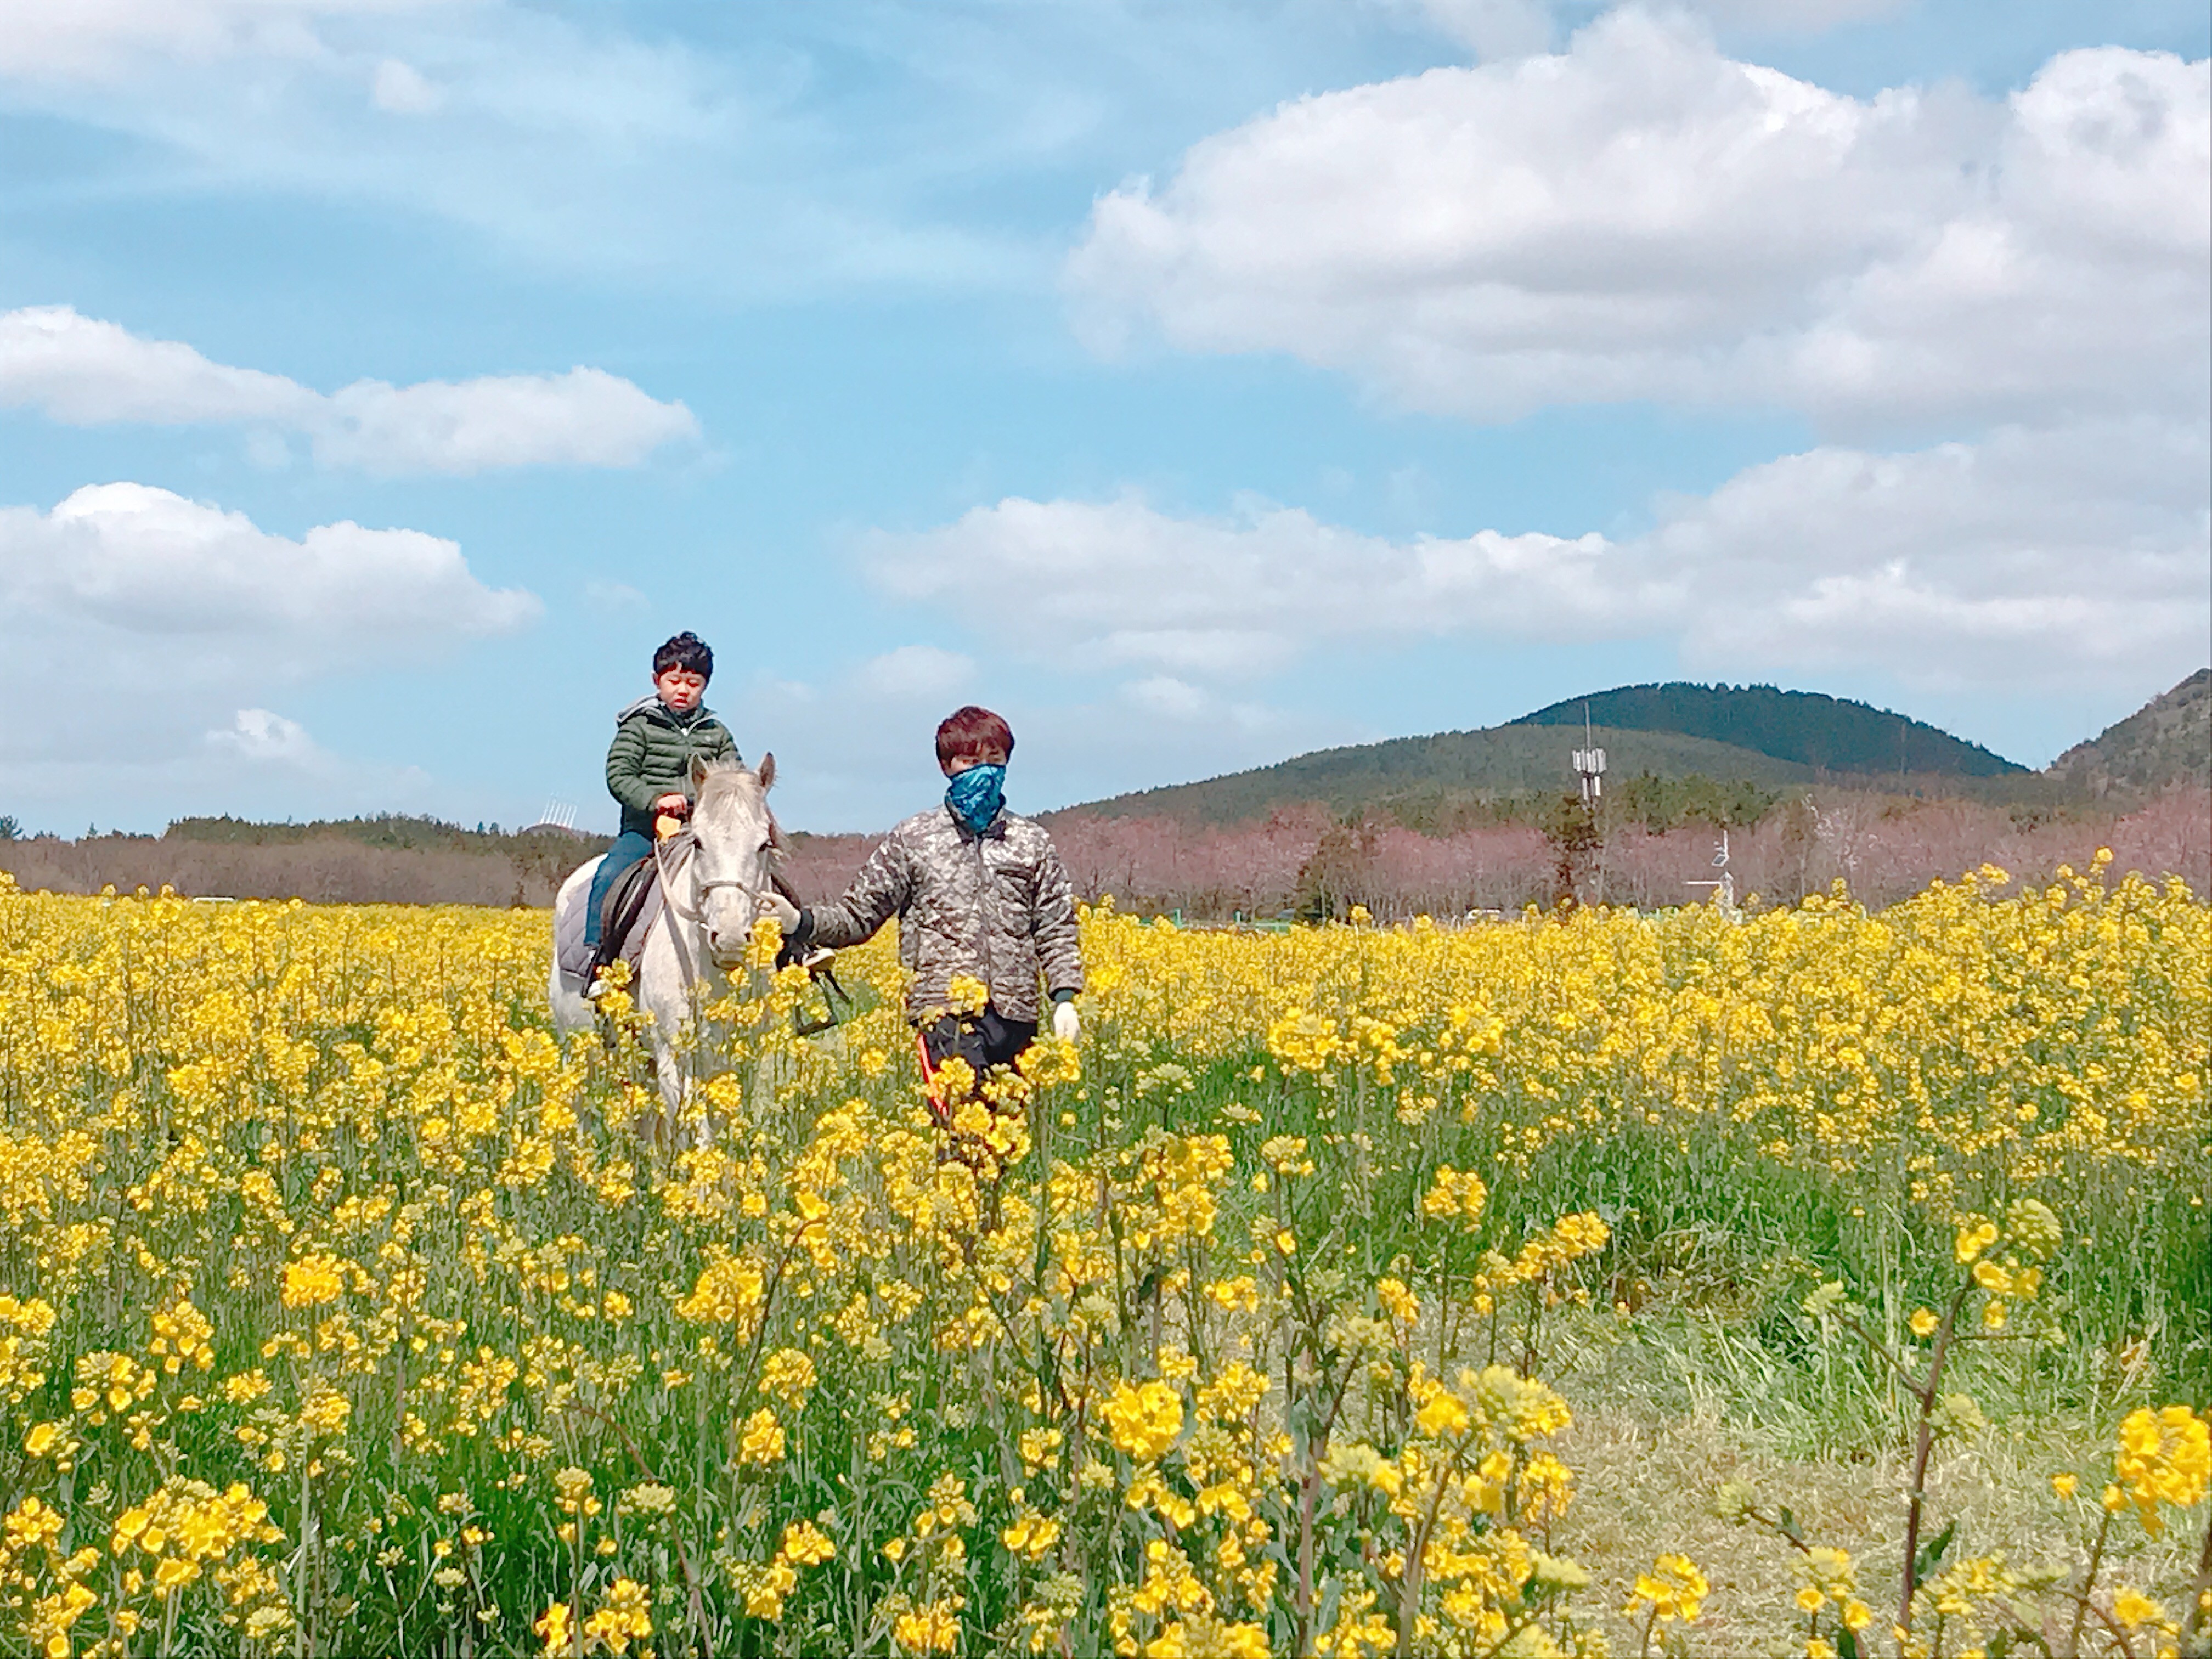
672 912
673 919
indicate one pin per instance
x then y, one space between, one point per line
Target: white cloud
2075 556
1170 698
586 418
399 89
264 738
177 614
97 39
848 758
89 373
131 556
1642 217
86 372
1120 582
916 672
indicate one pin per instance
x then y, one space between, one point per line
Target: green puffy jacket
652 754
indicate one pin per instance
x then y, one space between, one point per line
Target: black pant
982 1040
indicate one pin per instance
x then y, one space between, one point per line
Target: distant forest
386 860
1305 863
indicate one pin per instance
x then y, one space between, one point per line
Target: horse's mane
724 780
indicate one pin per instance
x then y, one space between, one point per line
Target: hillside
1420 780
1830 734
1721 754
2168 741
389 859
399 832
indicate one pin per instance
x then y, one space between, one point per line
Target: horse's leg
675 1094
563 995
660 992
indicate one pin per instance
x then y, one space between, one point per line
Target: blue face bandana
975 795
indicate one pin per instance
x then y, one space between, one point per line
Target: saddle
624 921
633 905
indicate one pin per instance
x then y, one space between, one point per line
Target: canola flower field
344 1309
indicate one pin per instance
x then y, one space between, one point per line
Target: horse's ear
768 772
699 770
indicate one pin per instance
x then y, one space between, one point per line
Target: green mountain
1429 781
1830 734
2168 741
1722 754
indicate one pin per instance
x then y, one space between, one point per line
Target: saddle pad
575 956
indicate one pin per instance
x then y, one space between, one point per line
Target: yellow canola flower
1673 1589
1444 1415
1202 1636
312 1280
345 1137
622 1617
766 1586
552 1628
729 1290
1030 1535
1973 1240
1459 1192
1144 1418
2132 1608
787 1374
931 1629
760 1442
2164 1457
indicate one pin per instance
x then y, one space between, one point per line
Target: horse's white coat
703 929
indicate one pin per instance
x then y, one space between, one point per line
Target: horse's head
738 842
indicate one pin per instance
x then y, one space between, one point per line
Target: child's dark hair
687 652
969 734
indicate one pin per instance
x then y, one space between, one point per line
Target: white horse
709 903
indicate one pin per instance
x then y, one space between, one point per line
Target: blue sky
381 379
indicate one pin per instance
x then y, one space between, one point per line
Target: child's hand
1066 1024
672 804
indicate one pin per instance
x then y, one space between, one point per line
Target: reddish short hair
969 734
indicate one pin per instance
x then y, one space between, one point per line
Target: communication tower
1589 765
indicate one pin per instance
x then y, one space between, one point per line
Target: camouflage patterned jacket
996 906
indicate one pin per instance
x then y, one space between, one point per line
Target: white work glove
1066 1024
786 913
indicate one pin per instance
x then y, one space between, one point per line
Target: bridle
679 855
701 887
